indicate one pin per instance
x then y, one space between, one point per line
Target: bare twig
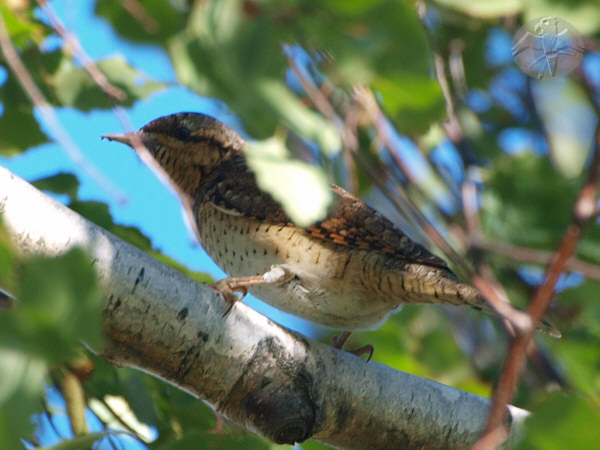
137 10
483 278
452 126
113 92
533 256
583 212
324 106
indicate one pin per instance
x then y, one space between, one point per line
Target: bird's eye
182 133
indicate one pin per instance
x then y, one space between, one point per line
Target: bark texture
277 383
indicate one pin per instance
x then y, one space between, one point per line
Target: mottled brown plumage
349 271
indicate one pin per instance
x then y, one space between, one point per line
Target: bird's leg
341 341
229 286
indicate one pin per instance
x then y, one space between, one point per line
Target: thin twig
483 278
139 13
324 106
452 126
533 256
366 97
583 211
47 112
92 69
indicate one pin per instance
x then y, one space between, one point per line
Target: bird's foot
341 341
229 286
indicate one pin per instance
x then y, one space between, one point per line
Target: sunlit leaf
23 28
301 120
583 15
7 259
488 9
570 122
302 189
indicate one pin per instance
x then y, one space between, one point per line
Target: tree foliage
405 103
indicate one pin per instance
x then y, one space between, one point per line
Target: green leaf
580 357
99 213
7 259
314 445
73 86
562 421
582 14
152 21
570 122
488 9
202 277
79 442
301 120
302 189
23 28
198 439
217 56
61 183
382 45
527 202
413 113
18 128
59 305
20 392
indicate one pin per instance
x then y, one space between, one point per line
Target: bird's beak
125 138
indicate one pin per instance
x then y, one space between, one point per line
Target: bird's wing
350 222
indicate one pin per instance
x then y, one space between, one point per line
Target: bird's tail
467 294
424 284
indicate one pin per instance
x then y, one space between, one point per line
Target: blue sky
149 206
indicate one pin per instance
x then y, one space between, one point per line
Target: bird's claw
228 292
339 342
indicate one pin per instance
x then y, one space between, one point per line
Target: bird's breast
330 282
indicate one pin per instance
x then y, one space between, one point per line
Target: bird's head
183 146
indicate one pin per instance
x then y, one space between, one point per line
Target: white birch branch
270 380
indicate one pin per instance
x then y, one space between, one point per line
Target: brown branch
583 212
7 301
